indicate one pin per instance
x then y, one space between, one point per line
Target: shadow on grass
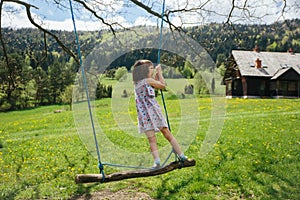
161 191
33 186
277 186
83 191
270 179
12 194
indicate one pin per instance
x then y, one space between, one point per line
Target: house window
283 85
292 86
273 86
234 83
262 85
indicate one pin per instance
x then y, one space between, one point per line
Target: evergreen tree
213 86
66 96
56 86
199 84
42 86
188 71
11 80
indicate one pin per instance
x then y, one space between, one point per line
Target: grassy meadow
256 157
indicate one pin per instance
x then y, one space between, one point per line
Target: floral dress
150 116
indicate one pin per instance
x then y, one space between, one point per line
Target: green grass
256 156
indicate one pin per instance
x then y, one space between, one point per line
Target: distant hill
220 39
217 39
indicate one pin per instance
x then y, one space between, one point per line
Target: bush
124 95
5 106
121 74
189 89
200 85
103 91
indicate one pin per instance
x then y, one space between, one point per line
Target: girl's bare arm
156 84
158 81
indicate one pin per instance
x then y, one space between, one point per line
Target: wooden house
262 74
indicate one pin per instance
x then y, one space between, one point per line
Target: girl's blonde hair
141 70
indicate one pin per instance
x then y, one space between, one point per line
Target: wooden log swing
90 178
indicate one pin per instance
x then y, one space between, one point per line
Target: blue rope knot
101 168
181 161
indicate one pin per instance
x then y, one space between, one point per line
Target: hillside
215 38
39 72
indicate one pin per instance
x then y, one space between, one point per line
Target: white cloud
83 20
256 11
107 6
267 11
143 21
16 20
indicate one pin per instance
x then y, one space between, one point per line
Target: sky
128 14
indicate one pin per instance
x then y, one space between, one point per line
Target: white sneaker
183 158
156 165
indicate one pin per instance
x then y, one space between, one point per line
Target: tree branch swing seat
91 178
117 176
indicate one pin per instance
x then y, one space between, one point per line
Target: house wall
250 86
257 86
264 87
290 75
237 88
285 88
228 84
287 84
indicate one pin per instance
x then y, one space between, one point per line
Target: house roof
272 63
282 71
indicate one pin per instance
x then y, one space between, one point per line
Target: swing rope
158 59
158 62
100 165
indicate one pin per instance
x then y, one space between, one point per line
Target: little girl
150 117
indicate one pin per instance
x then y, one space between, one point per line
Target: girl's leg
169 136
153 145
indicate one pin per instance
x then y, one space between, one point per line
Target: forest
39 72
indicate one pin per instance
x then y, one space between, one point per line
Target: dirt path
119 195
